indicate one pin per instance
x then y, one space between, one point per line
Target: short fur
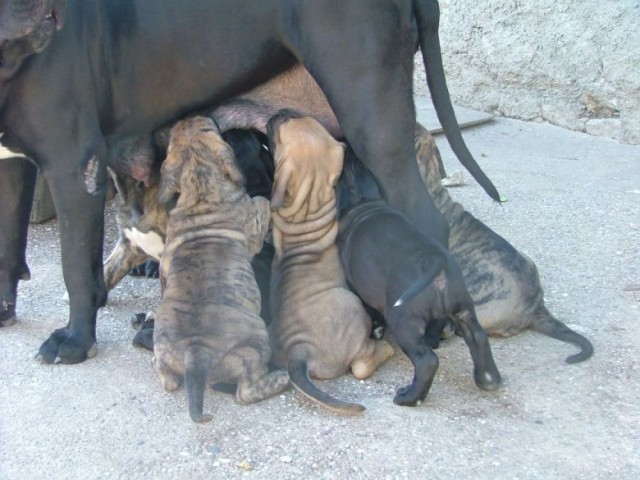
139 210
502 281
123 68
409 277
207 326
319 327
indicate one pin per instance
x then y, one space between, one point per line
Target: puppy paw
407 397
489 380
144 339
149 269
378 332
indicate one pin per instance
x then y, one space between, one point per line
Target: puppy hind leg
364 367
425 364
485 372
409 335
169 379
248 365
434 331
251 390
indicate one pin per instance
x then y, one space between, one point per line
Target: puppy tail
547 324
299 375
433 266
197 365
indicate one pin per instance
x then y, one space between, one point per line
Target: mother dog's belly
150 242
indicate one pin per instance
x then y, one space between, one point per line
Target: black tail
197 367
299 376
545 323
428 18
434 265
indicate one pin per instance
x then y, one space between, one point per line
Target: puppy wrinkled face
308 164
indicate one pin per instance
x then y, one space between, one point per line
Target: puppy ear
170 175
231 167
335 176
280 184
257 224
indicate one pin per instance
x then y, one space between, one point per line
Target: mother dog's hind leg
365 70
80 208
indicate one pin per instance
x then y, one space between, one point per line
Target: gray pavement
573 206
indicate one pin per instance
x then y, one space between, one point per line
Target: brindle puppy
319 327
142 221
409 277
503 282
207 326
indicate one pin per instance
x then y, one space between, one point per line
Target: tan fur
294 89
316 318
208 327
139 202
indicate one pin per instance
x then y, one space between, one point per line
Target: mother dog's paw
7 319
7 313
65 347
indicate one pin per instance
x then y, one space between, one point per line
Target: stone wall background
573 63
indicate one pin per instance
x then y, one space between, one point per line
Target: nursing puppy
502 281
407 276
142 224
142 220
207 327
319 327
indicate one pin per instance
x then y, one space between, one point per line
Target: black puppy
407 276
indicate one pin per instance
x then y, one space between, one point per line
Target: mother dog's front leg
17 184
78 190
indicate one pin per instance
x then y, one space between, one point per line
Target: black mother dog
78 75
409 277
17 184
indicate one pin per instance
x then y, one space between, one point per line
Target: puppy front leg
121 260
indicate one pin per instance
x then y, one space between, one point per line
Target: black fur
386 259
67 94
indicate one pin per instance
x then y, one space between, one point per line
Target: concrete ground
573 206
